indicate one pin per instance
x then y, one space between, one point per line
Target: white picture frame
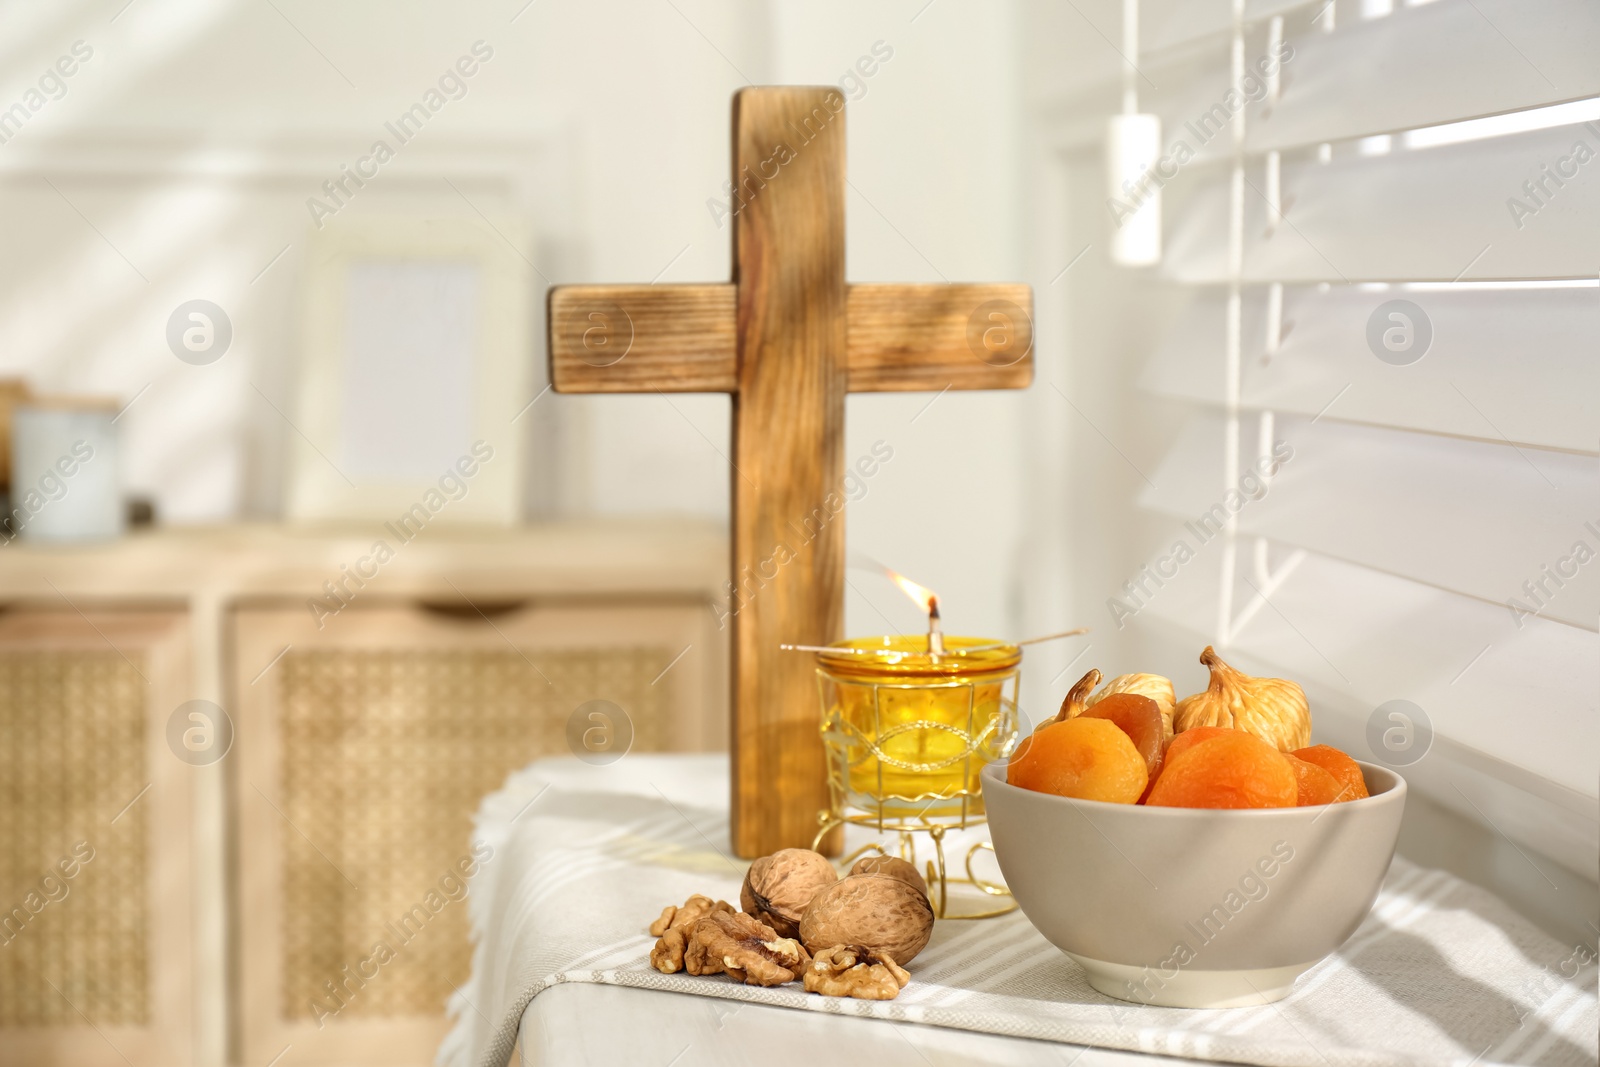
414 362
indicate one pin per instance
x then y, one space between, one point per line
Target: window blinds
1393 258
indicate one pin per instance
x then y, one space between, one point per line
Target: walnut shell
883 915
778 887
892 867
1273 709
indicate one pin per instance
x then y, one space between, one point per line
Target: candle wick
935 635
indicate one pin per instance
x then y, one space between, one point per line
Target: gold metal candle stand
906 732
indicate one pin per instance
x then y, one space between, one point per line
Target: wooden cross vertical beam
788 338
788 448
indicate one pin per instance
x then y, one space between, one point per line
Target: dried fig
1077 699
1273 709
892 867
882 915
778 887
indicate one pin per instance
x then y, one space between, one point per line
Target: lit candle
925 599
908 722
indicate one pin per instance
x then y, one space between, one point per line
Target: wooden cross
788 338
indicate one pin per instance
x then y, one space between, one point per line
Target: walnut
693 910
847 971
892 867
746 949
667 956
673 929
871 911
778 887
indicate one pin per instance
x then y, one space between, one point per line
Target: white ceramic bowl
1194 907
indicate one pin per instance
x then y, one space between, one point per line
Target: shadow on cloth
1414 973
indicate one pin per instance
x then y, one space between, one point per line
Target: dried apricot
1193 736
1140 718
1234 771
1144 797
1090 759
1180 744
1316 785
1346 771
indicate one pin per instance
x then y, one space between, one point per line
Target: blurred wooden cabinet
95 815
232 909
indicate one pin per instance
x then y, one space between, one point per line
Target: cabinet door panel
365 747
95 840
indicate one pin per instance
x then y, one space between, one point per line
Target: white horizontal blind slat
1517 704
1502 364
1433 214
1476 518
1169 25
1429 65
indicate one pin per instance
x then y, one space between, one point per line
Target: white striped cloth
586 857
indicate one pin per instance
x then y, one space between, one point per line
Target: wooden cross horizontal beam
683 338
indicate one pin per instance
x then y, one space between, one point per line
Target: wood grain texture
683 338
936 337
788 453
643 338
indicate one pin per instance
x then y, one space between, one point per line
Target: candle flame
921 594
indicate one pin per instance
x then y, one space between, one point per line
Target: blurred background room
303 555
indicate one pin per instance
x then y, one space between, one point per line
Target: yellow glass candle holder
907 731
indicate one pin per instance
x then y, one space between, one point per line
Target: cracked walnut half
846 971
727 942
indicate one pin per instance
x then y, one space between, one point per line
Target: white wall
933 177
179 162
